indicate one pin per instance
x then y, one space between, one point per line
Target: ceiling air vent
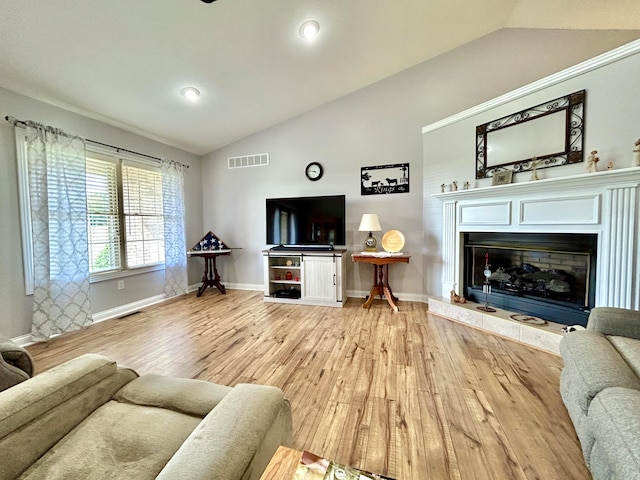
256 160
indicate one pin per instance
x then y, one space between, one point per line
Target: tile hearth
545 337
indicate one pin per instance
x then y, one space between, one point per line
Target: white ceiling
123 62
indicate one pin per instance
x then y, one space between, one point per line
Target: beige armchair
16 364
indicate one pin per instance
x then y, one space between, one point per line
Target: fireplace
551 276
596 213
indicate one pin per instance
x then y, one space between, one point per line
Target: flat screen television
306 221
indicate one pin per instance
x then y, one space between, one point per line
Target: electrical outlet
120 284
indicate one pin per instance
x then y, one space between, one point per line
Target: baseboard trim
121 311
245 286
127 309
407 297
23 340
259 287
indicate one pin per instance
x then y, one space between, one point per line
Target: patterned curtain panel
57 191
175 262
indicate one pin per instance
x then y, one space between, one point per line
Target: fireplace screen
532 273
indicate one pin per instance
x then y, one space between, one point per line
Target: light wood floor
410 395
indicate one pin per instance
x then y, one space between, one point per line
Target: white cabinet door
319 275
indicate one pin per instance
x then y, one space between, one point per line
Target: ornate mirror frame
544 136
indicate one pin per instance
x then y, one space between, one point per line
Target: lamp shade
369 223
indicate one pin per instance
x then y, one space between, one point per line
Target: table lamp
370 223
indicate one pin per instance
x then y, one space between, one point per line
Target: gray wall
381 124
612 111
15 306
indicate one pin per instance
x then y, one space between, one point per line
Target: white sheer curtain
57 193
175 261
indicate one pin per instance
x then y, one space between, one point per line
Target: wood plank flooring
410 394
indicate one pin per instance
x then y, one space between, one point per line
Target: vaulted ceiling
124 62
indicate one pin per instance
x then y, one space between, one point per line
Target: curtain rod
15 121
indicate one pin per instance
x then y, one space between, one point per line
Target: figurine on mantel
592 162
455 298
636 154
534 168
454 186
610 165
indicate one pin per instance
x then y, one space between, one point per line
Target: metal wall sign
384 179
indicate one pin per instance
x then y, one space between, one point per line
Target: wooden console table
211 277
380 262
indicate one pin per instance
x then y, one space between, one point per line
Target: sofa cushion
616 428
629 349
193 397
29 441
591 365
118 440
615 321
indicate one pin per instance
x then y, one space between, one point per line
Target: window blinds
142 207
103 216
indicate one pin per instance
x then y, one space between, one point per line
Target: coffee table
283 464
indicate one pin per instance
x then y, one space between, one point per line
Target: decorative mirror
547 135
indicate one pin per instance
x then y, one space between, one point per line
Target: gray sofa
16 364
89 418
600 386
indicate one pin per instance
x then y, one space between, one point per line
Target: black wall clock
314 171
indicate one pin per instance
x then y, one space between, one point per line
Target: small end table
211 277
380 262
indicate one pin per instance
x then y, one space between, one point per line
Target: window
124 202
144 226
103 215
124 213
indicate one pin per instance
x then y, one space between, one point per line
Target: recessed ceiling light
309 29
190 93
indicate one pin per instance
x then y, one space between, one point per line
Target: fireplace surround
601 209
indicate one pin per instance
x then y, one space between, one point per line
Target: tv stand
305 275
303 248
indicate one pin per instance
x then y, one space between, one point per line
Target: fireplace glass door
549 276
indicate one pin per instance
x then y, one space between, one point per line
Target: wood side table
381 262
211 277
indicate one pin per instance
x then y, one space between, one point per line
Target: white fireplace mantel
603 203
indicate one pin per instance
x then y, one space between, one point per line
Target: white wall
611 127
15 306
381 124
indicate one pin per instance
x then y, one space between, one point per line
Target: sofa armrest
616 425
228 439
16 364
615 321
36 414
